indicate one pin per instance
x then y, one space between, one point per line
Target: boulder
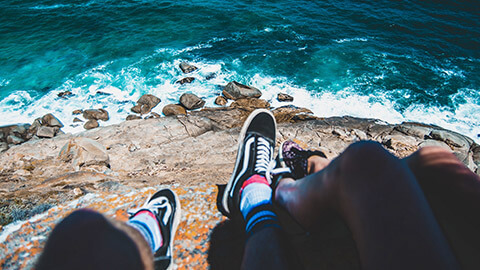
191 101
434 143
20 130
145 104
65 94
32 130
173 109
96 114
187 68
250 104
186 80
292 114
284 97
77 112
76 120
51 121
220 100
450 138
84 152
3 146
46 132
235 90
12 139
92 123
155 115
133 117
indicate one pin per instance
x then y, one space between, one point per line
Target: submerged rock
173 109
65 94
284 97
96 114
186 80
191 101
76 120
187 68
75 112
235 90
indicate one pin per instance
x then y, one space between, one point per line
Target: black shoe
166 207
256 144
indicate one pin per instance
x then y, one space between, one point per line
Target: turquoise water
392 60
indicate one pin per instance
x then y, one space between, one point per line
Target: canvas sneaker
256 145
165 205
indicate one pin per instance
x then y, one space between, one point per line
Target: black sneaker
166 207
256 144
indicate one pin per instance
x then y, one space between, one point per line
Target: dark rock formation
186 80
77 112
65 94
191 101
235 90
284 97
76 120
187 68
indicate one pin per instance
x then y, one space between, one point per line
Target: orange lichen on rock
199 216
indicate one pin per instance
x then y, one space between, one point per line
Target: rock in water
75 112
187 68
84 152
133 117
145 104
220 100
51 121
173 109
76 120
65 94
191 101
92 123
284 97
46 132
235 90
186 80
250 103
96 114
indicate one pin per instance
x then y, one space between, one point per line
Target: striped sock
256 205
146 223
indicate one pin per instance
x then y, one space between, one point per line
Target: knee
365 160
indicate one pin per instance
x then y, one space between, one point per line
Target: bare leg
380 200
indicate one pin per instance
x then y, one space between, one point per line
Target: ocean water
392 60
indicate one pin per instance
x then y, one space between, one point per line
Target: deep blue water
392 60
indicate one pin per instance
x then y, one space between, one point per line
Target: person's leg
248 195
453 192
383 205
87 240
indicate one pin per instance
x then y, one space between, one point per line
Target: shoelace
272 171
264 156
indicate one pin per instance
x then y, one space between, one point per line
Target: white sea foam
117 93
343 40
